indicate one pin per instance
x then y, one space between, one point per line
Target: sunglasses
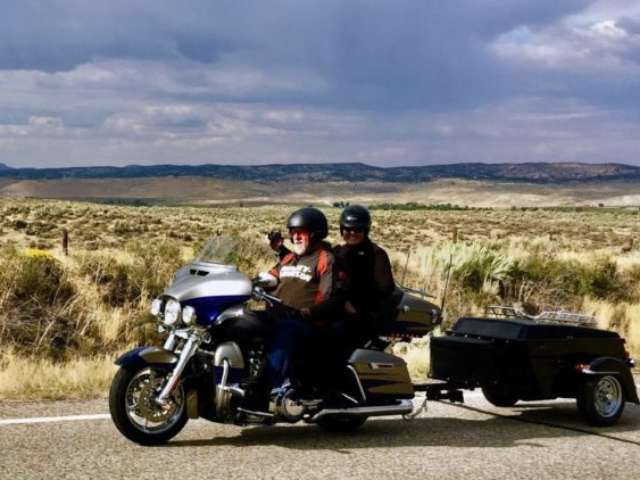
353 230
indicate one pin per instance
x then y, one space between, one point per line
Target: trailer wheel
499 395
601 400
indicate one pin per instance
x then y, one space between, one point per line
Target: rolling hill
346 172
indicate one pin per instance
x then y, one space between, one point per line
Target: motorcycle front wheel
134 410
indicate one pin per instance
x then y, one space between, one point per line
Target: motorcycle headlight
188 315
171 312
156 307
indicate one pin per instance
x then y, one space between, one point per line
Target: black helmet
355 216
310 219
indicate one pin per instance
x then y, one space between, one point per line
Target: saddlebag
381 376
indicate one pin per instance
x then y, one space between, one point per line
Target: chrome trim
588 371
170 342
187 351
222 397
350 398
378 365
225 392
232 312
417 411
256 413
231 352
404 407
225 373
608 396
355 374
235 390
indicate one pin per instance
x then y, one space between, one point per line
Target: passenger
369 283
306 286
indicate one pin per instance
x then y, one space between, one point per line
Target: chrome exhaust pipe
404 407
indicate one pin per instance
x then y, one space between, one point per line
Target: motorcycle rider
366 273
306 284
370 283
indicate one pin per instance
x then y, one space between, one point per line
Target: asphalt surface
475 441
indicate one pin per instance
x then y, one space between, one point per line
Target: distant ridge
347 172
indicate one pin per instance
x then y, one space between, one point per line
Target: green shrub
553 281
37 304
481 269
37 279
123 282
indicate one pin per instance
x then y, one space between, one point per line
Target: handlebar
260 294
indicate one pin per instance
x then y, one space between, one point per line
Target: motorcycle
214 352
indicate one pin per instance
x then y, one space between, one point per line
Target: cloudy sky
385 82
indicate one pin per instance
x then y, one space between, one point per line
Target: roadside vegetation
64 318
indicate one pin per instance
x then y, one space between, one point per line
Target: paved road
475 441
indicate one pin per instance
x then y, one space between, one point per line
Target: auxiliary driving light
188 315
156 307
171 312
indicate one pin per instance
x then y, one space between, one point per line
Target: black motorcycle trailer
520 359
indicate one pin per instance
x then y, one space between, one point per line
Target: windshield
217 250
244 253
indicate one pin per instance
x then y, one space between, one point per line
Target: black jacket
369 284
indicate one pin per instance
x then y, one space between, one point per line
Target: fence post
65 241
454 235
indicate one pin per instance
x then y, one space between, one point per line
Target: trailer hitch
417 411
440 391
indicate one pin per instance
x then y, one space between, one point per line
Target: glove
274 236
275 240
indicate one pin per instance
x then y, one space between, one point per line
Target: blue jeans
289 335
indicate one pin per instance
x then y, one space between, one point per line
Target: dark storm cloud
392 54
380 81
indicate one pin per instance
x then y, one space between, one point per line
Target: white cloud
609 30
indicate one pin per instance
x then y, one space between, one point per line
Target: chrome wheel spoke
141 407
608 396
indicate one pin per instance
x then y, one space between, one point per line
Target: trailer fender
614 366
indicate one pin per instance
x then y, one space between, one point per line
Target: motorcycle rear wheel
134 411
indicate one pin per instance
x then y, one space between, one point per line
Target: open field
206 191
57 309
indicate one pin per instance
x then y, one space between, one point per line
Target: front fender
617 367
147 356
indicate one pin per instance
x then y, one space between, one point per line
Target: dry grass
59 313
416 354
622 317
25 378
